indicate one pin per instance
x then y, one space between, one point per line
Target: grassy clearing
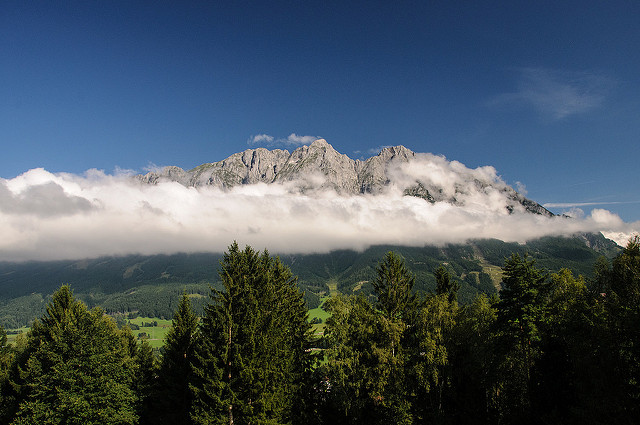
12 334
156 334
494 272
319 313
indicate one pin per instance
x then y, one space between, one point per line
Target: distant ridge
320 167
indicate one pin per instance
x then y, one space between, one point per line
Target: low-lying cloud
45 216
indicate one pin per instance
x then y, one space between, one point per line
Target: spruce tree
521 311
445 285
365 365
393 286
250 362
145 382
76 368
5 362
620 346
172 396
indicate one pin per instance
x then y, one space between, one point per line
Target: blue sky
546 92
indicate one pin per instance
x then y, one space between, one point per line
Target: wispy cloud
291 140
48 216
557 94
584 204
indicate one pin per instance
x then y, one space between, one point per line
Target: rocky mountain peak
396 152
320 167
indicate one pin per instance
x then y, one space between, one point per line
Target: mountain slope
152 284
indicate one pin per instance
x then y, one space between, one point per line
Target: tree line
551 348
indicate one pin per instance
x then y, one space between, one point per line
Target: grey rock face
319 166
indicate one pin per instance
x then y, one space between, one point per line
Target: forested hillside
550 348
151 285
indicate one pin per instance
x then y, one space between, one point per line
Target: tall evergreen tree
393 286
620 299
5 362
472 362
172 398
365 365
367 352
251 359
145 381
521 310
428 342
76 368
445 285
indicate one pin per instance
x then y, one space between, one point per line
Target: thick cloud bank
45 216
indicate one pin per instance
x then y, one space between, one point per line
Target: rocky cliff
320 167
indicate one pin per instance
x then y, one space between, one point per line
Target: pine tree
393 286
145 381
365 364
173 396
5 362
428 342
76 368
445 285
251 360
620 348
521 310
367 351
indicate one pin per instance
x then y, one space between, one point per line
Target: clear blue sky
546 92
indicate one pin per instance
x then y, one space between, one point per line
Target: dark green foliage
388 364
473 390
6 355
145 381
151 286
251 362
393 286
21 311
365 365
620 300
521 310
172 398
311 299
521 307
446 286
76 368
553 349
485 284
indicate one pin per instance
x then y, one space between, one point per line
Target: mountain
152 285
320 167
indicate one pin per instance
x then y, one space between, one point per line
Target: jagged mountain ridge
320 167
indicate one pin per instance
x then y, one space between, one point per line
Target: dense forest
151 285
548 348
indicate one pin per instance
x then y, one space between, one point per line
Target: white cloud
295 140
584 204
291 140
65 216
521 188
260 138
557 94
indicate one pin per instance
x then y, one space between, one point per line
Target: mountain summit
320 167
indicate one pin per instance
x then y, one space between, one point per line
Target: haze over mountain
313 199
